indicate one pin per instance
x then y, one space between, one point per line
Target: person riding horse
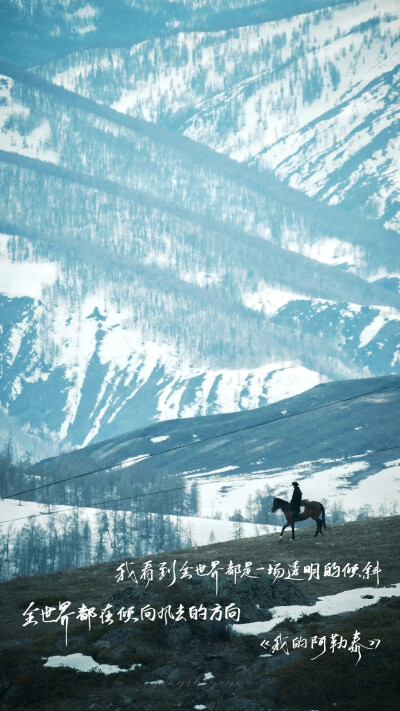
295 500
312 509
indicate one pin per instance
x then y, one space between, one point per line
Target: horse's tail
323 515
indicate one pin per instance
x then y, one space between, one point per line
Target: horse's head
275 505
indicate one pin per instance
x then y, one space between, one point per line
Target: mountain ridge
173 236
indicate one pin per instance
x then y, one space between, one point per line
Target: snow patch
229 493
154 683
333 251
269 299
212 471
132 460
18 140
84 663
20 278
385 314
347 601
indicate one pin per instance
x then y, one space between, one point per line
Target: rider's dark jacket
295 500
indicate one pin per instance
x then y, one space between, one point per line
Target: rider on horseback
295 500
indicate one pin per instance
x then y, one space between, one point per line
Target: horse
312 509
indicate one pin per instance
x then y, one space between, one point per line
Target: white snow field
347 601
84 663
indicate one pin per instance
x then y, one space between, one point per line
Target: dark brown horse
312 509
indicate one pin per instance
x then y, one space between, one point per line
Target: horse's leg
292 524
320 526
285 526
315 518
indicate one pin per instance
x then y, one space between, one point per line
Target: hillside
340 440
184 664
311 96
194 481
55 29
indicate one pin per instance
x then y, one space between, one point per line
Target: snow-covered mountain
148 276
313 96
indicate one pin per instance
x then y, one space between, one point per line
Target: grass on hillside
180 653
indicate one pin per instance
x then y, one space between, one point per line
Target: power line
196 442
153 493
182 446
97 504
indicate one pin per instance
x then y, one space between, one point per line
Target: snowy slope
336 479
195 530
98 344
121 241
339 440
313 96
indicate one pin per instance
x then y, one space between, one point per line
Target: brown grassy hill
180 653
